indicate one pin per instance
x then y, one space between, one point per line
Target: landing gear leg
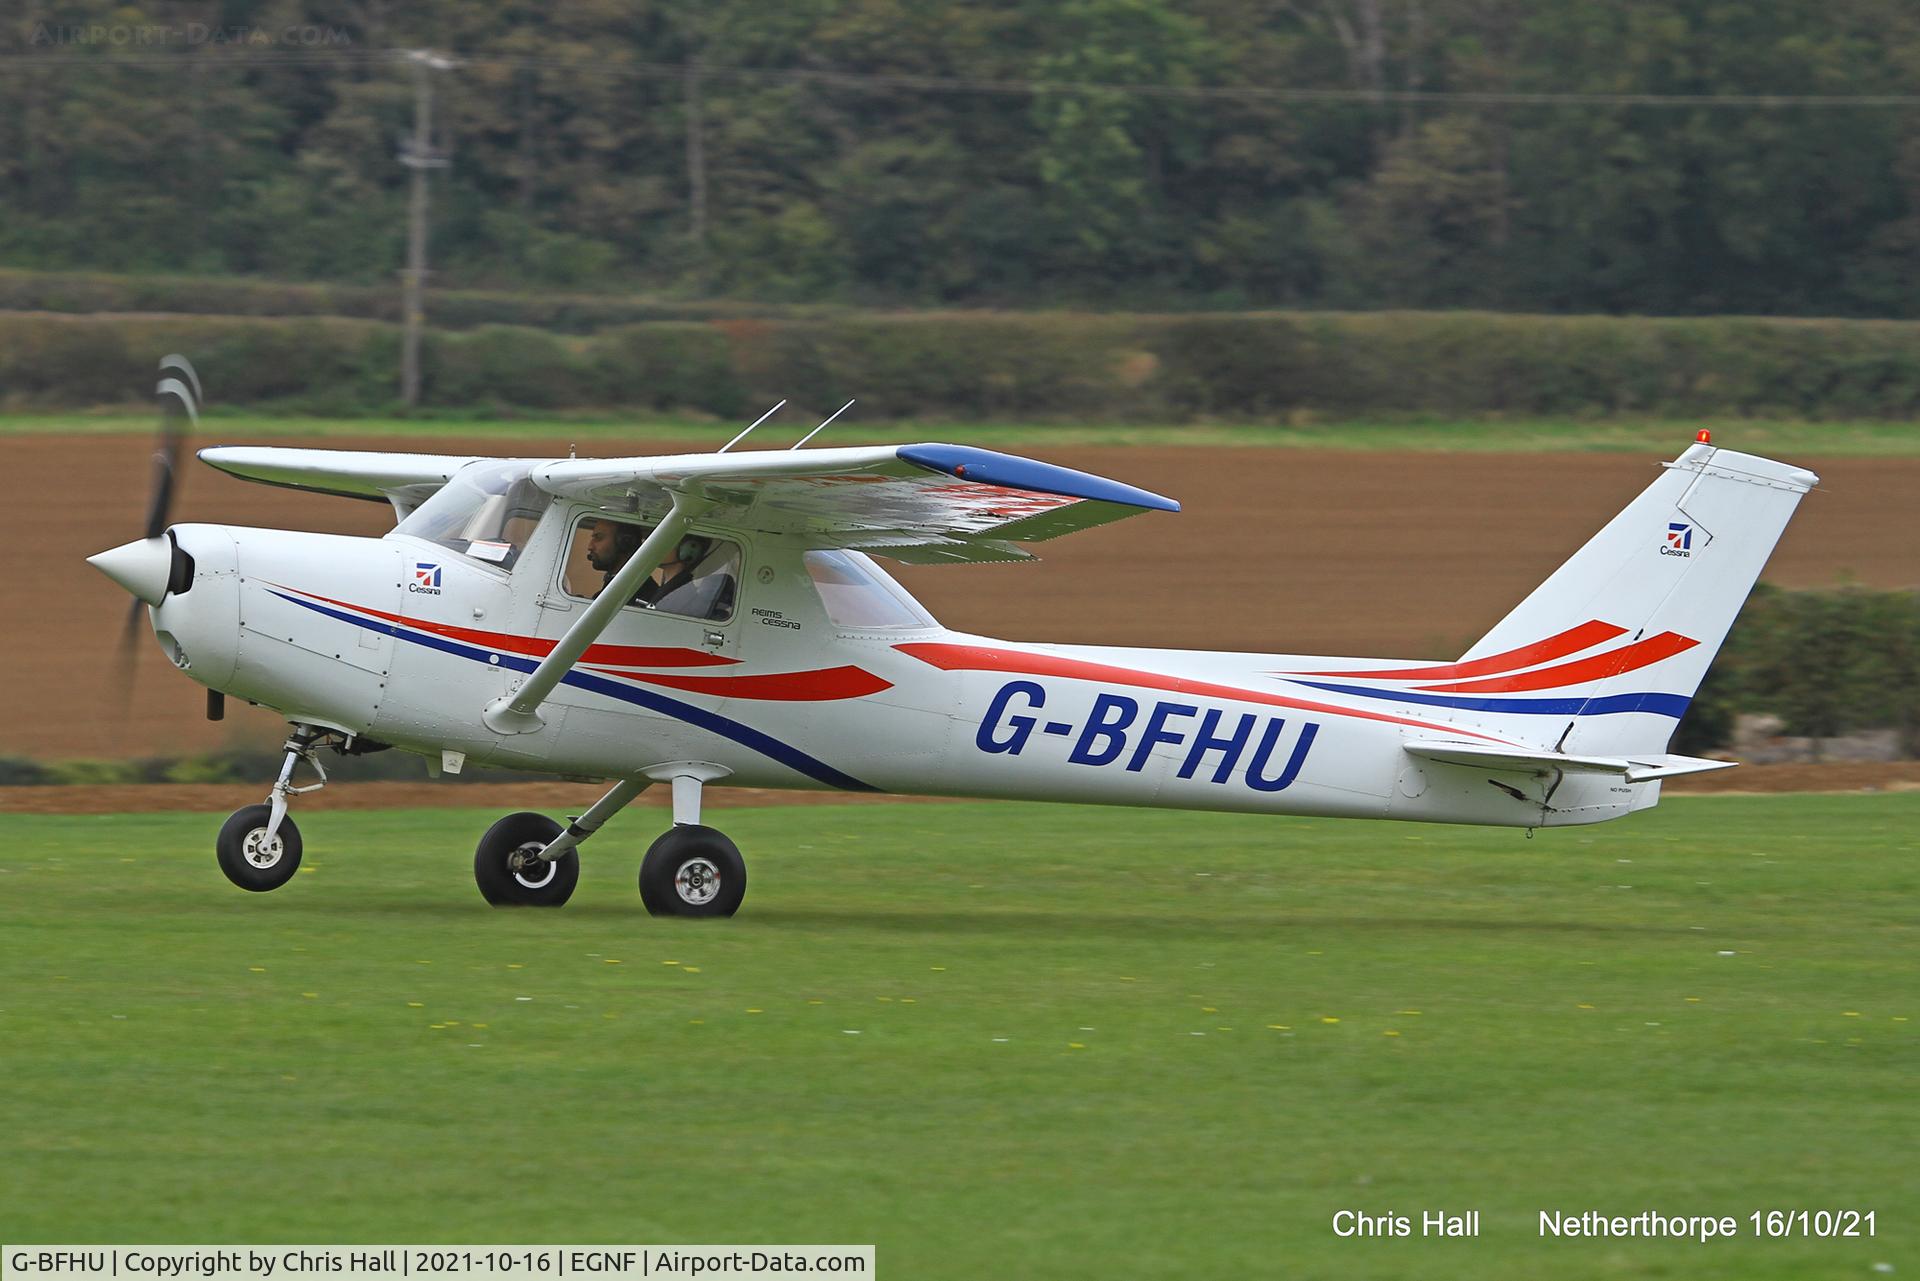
528 860
692 870
259 847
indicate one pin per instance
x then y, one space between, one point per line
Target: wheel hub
697 882
529 868
259 851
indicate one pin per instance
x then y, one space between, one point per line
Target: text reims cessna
716 619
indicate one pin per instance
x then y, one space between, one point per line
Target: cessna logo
1679 540
426 579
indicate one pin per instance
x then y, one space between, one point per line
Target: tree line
1627 156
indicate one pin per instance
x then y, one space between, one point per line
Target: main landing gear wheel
509 870
693 871
249 859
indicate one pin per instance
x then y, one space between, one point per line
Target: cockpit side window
698 579
487 511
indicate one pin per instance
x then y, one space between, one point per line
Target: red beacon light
1704 436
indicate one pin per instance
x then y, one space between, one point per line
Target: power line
243 58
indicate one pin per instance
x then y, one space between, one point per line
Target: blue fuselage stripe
1674 705
714 723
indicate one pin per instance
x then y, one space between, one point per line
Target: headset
692 549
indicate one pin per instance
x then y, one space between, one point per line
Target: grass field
994 1040
1870 439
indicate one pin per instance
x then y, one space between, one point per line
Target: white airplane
717 619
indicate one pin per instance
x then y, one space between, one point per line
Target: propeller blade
179 408
179 412
160 495
125 660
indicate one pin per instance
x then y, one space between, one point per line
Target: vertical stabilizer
1605 656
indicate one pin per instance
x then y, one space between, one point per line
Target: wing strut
516 712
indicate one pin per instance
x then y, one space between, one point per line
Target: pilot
675 572
612 543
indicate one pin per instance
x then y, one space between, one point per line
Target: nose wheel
259 846
254 857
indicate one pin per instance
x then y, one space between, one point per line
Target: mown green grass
1880 439
996 1040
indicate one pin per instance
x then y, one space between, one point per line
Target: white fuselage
355 635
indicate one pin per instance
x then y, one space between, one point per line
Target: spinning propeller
155 565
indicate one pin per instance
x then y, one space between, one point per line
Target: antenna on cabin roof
822 427
743 435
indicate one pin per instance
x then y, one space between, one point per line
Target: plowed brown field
1386 555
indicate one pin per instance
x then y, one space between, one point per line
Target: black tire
246 862
540 884
693 871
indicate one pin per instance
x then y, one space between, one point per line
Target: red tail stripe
536 647
1571 641
980 658
1627 658
787 687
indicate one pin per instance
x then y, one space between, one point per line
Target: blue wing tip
988 467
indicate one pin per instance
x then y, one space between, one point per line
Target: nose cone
143 567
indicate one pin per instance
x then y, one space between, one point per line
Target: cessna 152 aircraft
718 619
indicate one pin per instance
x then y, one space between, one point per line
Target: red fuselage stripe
1571 641
537 647
980 658
787 687
823 685
1627 658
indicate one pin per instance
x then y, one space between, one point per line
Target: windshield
487 511
858 593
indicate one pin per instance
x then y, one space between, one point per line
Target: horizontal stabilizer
1635 769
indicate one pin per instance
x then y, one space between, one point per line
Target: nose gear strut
301 745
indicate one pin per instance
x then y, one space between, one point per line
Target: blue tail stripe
1674 705
745 735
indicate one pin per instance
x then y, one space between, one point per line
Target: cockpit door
685 621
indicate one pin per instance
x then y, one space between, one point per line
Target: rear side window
857 593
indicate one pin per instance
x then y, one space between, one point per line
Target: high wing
405 480
925 503
920 503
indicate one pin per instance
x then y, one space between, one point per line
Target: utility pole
696 168
418 155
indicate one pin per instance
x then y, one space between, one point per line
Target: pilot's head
610 543
688 552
